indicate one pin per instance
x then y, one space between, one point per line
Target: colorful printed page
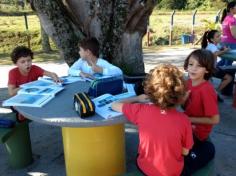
40 90
27 100
64 79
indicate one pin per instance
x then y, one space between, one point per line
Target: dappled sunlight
37 174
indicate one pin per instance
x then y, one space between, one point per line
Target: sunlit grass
17 23
38 57
13 32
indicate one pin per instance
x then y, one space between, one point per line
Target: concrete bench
17 142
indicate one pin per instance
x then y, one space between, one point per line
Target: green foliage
172 4
11 7
13 32
209 25
191 4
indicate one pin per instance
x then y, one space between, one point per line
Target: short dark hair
21 51
205 58
91 44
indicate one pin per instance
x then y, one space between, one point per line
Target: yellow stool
94 150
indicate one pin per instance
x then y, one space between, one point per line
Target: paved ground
47 142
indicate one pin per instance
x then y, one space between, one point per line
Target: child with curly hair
24 72
165 135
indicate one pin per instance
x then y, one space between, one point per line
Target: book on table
34 94
103 102
28 100
64 79
41 90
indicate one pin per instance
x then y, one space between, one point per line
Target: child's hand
94 67
225 48
97 69
143 98
186 96
56 78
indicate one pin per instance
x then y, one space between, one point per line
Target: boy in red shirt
165 134
201 107
24 71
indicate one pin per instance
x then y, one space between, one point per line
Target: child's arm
206 120
12 90
117 106
96 68
185 97
75 69
105 68
224 50
52 75
185 151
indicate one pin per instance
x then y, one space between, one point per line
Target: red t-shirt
16 78
162 135
202 102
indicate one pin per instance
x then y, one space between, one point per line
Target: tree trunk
119 25
45 41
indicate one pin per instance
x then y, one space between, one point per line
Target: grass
160 23
13 31
17 23
38 57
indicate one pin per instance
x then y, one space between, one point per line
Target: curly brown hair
165 86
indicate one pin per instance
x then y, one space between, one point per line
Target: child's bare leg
225 81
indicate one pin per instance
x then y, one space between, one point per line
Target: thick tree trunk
45 41
58 26
119 25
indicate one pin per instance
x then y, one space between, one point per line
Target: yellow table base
94 151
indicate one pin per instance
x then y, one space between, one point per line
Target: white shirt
82 65
213 48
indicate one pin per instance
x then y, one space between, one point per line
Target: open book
39 83
27 100
64 79
40 90
103 102
34 94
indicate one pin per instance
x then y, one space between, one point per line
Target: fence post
148 33
171 27
217 18
193 24
27 31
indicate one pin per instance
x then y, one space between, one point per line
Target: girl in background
209 42
228 22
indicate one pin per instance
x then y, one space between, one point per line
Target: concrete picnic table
92 146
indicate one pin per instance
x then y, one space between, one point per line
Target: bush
172 4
